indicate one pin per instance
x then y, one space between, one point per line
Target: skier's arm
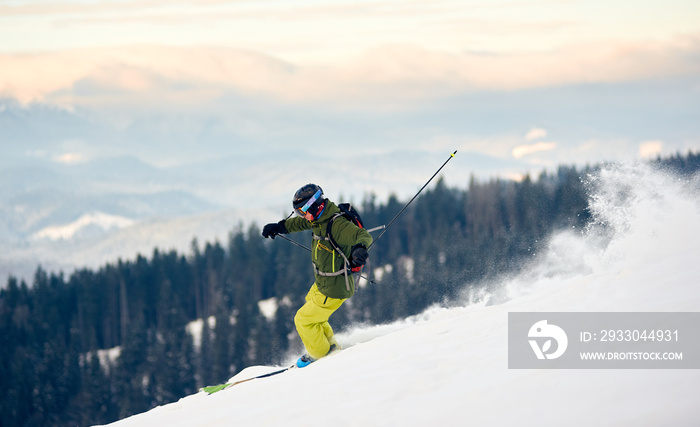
296 224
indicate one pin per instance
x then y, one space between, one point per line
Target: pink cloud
524 150
392 76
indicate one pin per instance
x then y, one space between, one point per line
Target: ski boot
306 360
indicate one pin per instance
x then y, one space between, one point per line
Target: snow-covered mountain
449 365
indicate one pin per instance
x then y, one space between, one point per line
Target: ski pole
410 201
293 242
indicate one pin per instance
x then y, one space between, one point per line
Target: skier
333 279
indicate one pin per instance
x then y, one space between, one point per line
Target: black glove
271 230
359 255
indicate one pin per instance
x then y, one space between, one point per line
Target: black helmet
308 198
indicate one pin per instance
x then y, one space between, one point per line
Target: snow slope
448 366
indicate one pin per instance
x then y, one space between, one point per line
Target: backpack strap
329 236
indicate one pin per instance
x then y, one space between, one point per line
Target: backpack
348 212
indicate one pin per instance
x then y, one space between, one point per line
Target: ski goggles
302 210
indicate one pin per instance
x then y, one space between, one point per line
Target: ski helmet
308 198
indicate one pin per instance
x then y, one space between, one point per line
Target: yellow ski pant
312 325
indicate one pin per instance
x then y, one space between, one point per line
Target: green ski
214 388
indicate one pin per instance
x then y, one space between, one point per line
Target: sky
329 31
521 85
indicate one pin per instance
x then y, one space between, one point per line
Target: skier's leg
311 321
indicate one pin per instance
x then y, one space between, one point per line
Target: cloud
60 8
535 133
395 76
524 150
139 74
649 149
70 158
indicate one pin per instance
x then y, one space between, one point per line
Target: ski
215 388
211 389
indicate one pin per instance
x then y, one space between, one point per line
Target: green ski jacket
325 259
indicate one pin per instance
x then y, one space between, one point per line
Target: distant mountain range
76 190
